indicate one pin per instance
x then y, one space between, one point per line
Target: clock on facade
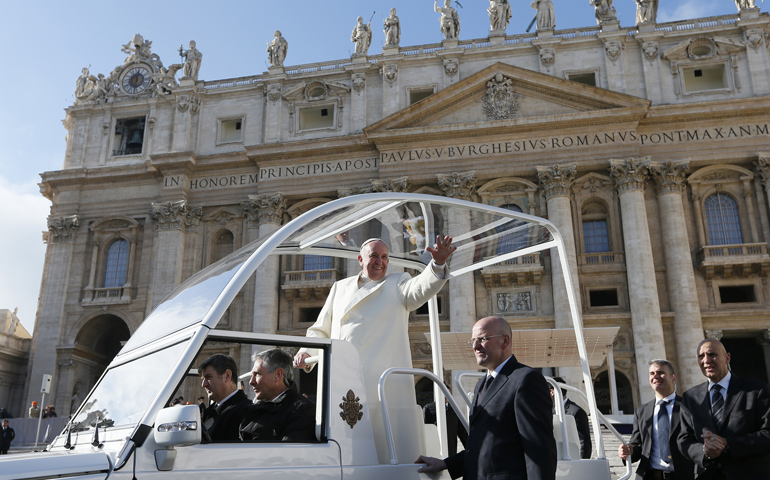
136 80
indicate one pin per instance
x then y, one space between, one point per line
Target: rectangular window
423 310
230 131
595 236
315 118
737 294
603 297
588 78
129 136
417 94
704 78
316 262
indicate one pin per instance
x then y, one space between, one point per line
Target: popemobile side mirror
178 426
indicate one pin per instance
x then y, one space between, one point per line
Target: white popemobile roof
536 348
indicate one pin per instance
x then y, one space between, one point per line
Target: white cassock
374 318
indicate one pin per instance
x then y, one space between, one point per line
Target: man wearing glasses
511 429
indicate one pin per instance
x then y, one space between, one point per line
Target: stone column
391 89
557 182
358 100
763 169
269 210
50 320
171 220
682 291
273 110
462 305
630 177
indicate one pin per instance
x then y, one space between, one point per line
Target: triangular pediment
507 98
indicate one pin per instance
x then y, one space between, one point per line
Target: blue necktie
717 404
663 431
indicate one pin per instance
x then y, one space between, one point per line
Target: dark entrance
625 394
747 357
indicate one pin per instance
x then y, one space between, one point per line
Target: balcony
309 284
107 296
734 261
524 270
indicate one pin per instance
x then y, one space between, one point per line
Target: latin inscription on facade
211 182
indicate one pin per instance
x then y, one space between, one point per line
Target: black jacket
290 419
583 429
6 437
221 422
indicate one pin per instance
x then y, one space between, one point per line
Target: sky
49 42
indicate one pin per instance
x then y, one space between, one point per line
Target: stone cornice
630 174
175 216
669 176
707 111
62 229
283 151
458 185
557 180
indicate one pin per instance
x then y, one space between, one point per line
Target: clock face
136 80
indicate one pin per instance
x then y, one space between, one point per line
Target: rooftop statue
646 11
192 61
605 12
744 4
499 14
546 19
81 84
276 50
165 79
392 29
449 20
362 36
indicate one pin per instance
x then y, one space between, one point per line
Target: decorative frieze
175 216
458 185
557 180
261 209
630 174
669 176
62 229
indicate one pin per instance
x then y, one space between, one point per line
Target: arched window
596 238
224 244
517 238
116 265
722 220
316 262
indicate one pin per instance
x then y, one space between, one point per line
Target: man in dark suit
222 418
581 420
6 437
656 428
725 421
511 427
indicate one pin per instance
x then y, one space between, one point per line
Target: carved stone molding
500 102
669 176
390 73
557 180
762 167
613 48
650 50
62 229
630 174
183 102
713 334
346 192
273 92
547 57
755 37
359 81
458 185
390 185
264 209
175 216
451 65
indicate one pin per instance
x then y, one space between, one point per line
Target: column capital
62 229
669 176
557 180
175 216
390 185
630 174
346 192
762 167
261 209
458 185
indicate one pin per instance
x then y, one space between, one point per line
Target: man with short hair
371 311
581 419
656 428
725 421
222 418
6 437
511 426
279 412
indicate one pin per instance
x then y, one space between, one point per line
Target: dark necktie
717 404
663 431
484 388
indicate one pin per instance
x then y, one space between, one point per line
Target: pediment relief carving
222 216
718 174
702 48
592 182
114 224
315 91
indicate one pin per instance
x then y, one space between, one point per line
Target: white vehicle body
123 428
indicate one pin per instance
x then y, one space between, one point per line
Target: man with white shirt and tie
656 427
222 419
725 421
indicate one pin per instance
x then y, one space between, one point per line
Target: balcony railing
524 270
601 258
737 260
107 296
309 284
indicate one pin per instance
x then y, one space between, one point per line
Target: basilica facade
647 146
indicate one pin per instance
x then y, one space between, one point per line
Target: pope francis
371 311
